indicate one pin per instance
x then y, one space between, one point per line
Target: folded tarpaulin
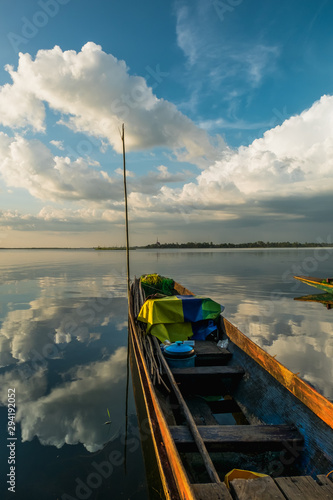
180 317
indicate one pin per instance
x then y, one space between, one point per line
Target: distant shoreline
189 245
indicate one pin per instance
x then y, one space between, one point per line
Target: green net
154 283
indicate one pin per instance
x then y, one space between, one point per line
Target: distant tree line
256 244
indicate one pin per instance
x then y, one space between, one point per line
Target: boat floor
224 426
267 488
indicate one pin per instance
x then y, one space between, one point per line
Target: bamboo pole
128 295
126 210
189 418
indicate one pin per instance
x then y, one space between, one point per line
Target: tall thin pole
128 297
126 209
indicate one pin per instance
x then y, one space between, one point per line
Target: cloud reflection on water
66 357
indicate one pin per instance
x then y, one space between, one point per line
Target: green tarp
180 317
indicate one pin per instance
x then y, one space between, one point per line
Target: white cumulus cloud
294 159
31 165
95 93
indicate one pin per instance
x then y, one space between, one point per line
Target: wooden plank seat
245 438
207 380
208 371
210 354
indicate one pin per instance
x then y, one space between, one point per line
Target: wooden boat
237 409
325 284
322 298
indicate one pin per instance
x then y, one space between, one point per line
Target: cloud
64 415
207 46
74 411
58 144
219 59
95 93
31 165
153 181
293 162
187 38
22 334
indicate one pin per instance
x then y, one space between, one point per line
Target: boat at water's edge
276 417
325 284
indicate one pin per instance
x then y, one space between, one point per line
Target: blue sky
227 109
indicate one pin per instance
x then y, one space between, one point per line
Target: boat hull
321 284
270 398
173 481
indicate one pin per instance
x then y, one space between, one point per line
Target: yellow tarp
241 474
179 317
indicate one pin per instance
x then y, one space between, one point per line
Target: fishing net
154 283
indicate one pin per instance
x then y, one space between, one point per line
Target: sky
228 113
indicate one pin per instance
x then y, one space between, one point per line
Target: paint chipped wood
210 491
302 488
261 488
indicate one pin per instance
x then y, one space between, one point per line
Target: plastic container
179 355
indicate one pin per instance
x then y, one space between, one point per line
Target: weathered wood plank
208 380
302 487
209 353
238 437
211 491
326 484
262 488
200 410
209 371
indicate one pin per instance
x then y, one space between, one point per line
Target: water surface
63 349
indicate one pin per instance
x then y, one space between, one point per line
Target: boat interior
246 420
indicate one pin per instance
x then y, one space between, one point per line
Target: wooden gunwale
174 479
317 282
311 398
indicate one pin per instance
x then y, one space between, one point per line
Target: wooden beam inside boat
209 371
243 438
207 380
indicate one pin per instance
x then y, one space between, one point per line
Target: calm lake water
63 337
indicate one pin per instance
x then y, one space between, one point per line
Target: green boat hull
326 285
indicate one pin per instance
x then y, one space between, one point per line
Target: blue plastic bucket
179 355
